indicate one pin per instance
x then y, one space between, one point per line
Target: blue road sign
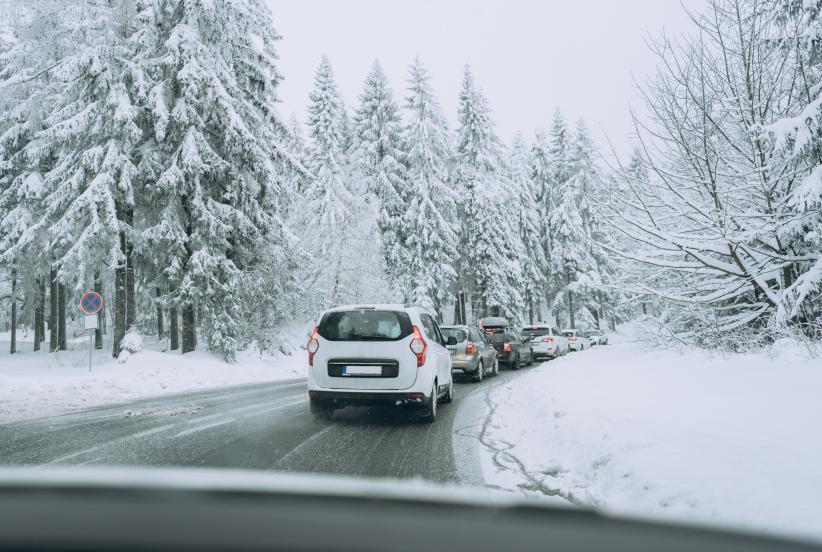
91 302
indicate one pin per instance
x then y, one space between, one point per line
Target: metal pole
90 349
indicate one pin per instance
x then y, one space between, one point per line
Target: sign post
90 304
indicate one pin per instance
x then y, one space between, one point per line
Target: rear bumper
466 366
546 352
506 358
340 399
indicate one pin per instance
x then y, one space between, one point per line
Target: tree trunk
38 316
101 316
596 317
457 319
119 307
61 317
557 320
13 348
571 314
530 308
53 311
174 334
160 329
189 331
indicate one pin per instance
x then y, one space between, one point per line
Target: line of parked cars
398 355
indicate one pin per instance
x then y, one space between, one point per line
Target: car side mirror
451 340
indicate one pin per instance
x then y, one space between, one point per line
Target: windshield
244 235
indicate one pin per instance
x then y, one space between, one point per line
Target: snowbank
33 385
733 441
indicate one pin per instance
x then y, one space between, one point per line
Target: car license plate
355 370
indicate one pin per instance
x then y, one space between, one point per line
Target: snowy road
259 426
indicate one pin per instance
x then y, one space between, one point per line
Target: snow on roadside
729 441
34 385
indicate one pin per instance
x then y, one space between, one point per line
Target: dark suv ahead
513 349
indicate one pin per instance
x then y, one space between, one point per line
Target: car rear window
365 325
534 332
460 335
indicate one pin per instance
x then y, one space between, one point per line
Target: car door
437 346
487 352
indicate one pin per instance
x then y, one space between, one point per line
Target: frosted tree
76 164
377 160
800 135
429 250
526 211
218 165
491 251
721 217
342 220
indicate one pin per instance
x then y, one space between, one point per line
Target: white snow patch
730 441
34 385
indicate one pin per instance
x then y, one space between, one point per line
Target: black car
513 349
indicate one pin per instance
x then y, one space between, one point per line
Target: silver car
471 353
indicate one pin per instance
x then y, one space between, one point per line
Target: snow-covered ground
33 385
727 440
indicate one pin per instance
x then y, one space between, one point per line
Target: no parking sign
91 302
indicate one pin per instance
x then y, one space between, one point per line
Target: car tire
321 411
480 372
429 413
495 371
515 364
449 395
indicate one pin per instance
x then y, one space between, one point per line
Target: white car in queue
577 339
546 341
390 355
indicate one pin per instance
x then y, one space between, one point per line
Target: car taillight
506 348
418 346
572 338
313 345
548 339
470 349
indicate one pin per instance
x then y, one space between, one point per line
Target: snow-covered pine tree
376 157
75 163
342 223
490 247
526 210
800 134
573 259
218 157
554 181
429 250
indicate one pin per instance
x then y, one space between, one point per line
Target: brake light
547 339
313 345
572 338
506 348
470 349
418 346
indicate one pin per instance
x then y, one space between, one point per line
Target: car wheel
515 365
495 371
449 395
321 411
429 414
480 372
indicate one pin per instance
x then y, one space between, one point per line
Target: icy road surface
261 426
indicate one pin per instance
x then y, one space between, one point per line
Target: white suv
378 355
546 341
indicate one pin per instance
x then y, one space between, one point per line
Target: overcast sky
528 55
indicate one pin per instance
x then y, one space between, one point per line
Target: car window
429 327
365 325
459 334
536 332
437 331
